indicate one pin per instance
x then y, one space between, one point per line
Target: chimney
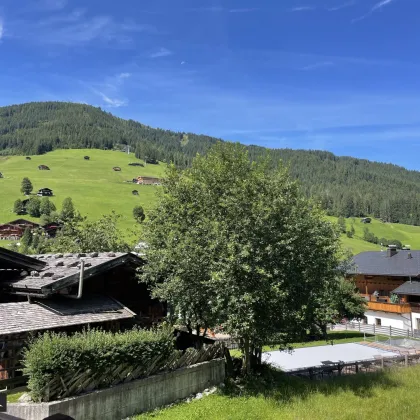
409 256
392 250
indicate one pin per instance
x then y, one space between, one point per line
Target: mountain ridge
344 185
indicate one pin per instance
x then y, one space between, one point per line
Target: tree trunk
229 362
246 367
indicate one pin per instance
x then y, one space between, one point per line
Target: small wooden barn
43 168
28 158
135 192
15 229
86 158
117 168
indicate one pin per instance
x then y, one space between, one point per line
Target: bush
56 354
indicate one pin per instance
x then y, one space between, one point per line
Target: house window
378 322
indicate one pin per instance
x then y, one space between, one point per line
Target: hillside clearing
92 184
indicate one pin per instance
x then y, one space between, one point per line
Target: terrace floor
314 356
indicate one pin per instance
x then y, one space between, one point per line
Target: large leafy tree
236 244
33 207
47 206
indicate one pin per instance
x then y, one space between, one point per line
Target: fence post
406 360
408 333
382 362
359 326
390 333
346 326
373 329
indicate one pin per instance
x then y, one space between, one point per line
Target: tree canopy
234 244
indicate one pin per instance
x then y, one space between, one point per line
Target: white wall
402 321
414 318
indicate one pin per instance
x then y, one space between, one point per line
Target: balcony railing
383 303
397 308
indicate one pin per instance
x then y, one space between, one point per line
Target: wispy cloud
76 28
318 65
375 7
1 28
113 103
302 9
52 4
163 52
341 6
245 10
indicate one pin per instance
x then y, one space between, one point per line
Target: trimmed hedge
56 354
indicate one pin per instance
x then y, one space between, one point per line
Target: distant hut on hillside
86 158
1 175
28 158
135 192
45 192
366 220
117 168
152 161
43 168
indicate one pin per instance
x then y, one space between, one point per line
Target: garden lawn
389 394
92 184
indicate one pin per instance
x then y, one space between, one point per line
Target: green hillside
93 185
96 190
406 234
345 186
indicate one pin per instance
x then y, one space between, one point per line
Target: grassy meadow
389 394
92 184
96 190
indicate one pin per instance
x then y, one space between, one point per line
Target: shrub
56 354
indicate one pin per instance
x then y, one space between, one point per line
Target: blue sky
337 75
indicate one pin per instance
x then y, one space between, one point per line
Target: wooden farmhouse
67 292
390 282
45 192
15 229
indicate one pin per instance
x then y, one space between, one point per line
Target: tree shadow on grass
276 385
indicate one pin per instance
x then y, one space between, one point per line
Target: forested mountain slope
345 186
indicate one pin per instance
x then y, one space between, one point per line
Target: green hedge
53 354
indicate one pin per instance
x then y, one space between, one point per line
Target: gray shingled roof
18 317
10 260
63 270
378 263
408 288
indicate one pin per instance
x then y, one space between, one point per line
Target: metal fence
376 330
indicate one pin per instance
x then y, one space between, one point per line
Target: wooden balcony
396 308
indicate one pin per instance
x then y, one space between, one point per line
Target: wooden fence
351 368
75 383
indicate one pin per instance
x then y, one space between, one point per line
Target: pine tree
34 206
26 187
67 210
18 207
26 240
47 206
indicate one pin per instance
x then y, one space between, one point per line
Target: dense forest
345 186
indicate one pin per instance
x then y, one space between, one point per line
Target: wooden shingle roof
19 317
63 270
10 260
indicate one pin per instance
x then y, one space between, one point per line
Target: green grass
407 234
337 337
13 396
389 394
94 187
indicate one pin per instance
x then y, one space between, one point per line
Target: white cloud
113 103
1 28
375 7
341 6
163 52
76 28
244 10
122 76
302 9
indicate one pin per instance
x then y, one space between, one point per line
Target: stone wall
131 398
